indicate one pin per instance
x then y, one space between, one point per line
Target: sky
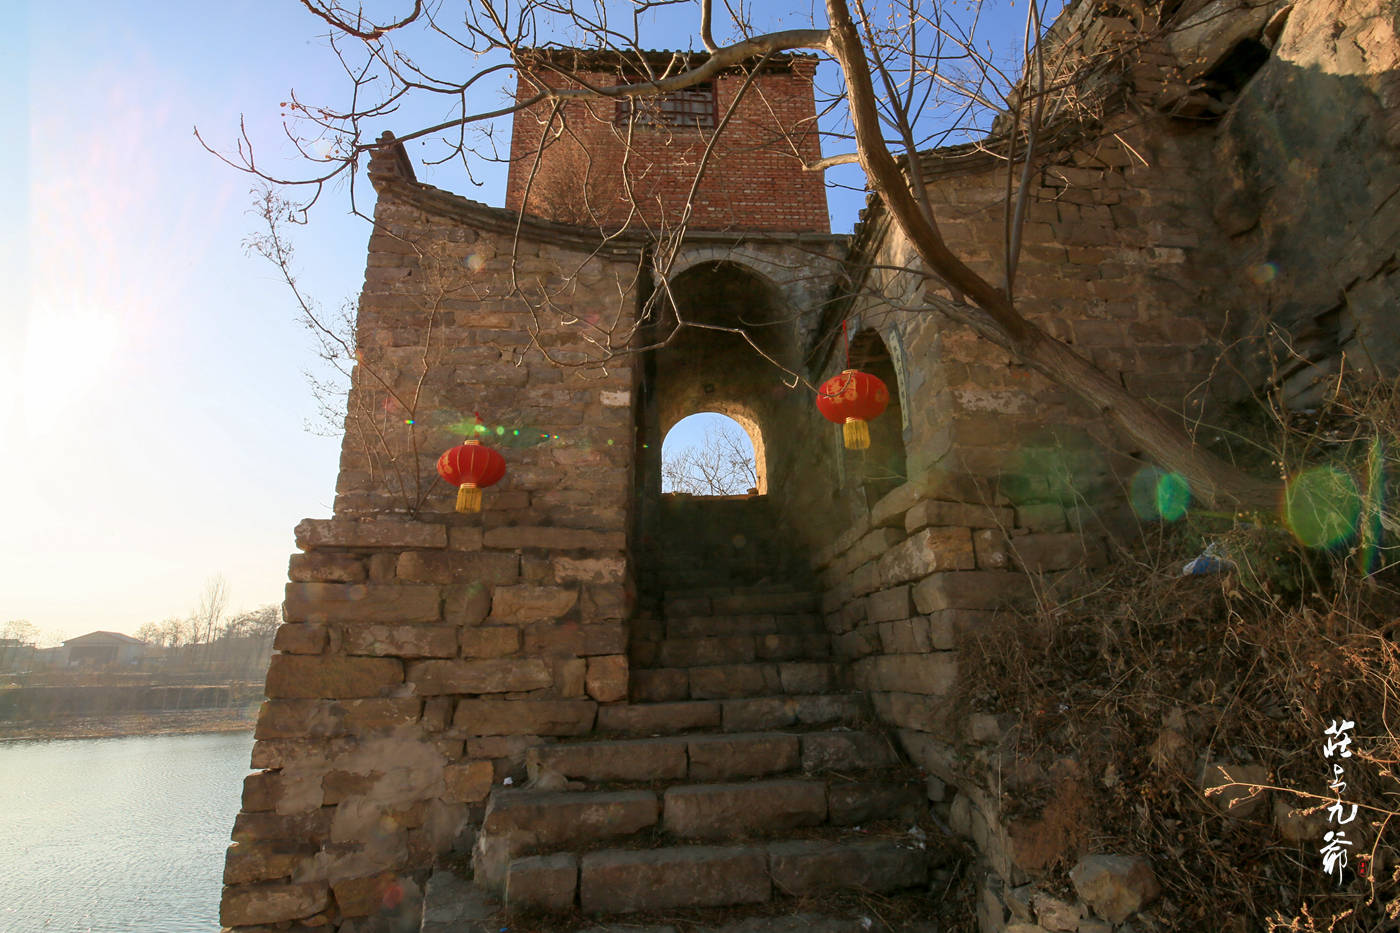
154 406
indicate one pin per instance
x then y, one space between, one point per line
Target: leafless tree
911 76
722 464
208 616
261 622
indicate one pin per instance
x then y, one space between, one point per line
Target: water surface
116 835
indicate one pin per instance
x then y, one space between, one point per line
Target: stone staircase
740 773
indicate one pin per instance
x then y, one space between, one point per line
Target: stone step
739 603
757 714
717 757
625 881
521 821
729 649
658 718
729 681
761 624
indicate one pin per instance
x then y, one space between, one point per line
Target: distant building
101 649
15 655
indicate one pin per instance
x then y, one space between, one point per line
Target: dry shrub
1152 675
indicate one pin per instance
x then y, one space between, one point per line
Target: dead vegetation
1114 710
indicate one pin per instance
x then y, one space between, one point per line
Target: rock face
1114 886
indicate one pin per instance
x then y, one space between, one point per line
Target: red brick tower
613 163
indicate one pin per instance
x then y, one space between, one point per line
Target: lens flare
1263 273
1155 493
1322 506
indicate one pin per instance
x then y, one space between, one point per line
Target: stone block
250 904
316 676
588 569
532 819
939 514
759 713
856 802
799 677
630 760
464 537
502 675
360 897
792 647
361 602
992 548
554 539
927 551
980 589
934 673
717 811
322 718
326 567
606 680
525 717
802 868
733 680
1235 789
402 641
887 605
658 718
542 882
1041 517
469 782
695 652
846 751
1042 553
660 685
662 879
531 602
300 638
250 862
577 639
466 603
733 756
490 641
604 602
458 567
889 510
912 711
385 533
1114 886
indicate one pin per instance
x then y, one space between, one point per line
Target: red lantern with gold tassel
851 399
471 467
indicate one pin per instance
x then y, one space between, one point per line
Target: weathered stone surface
757 714
717 811
694 652
589 569
1114 886
490 641
528 602
798 677
804 867
555 539
542 882
850 803
249 862
937 513
887 605
635 760
575 638
325 567
981 589
458 567
469 782
658 718
1295 823
606 680
360 897
1040 553
733 756
246 905
300 638
466 603
846 751
927 551
534 819
361 602
502 675
934 673
993 549
404 641
659 685
890 508
315 676
311 533
322 718
733 680
525 717
660 879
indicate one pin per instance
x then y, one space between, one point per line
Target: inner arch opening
714 453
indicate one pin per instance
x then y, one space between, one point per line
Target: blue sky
155 407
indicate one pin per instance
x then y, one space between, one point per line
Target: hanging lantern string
846 340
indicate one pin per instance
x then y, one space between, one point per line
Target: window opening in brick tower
883 465
711 454
693 106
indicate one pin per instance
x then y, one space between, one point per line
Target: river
116 835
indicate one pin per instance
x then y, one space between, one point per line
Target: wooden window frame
692 107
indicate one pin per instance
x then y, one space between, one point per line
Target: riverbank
165 722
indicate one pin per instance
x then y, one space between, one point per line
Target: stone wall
423 650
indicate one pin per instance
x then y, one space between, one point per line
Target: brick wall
594 171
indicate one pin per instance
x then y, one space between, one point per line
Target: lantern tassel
468 498
855 433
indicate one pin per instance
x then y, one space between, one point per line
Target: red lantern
471 467
850 399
